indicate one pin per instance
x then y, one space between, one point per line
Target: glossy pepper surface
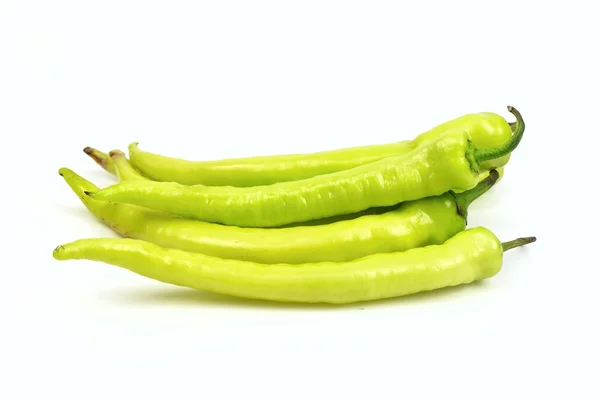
127 172
409 225
450 162
471 255
485 130
116 163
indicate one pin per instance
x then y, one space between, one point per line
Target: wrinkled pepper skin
471 255
486 130
441 166
117 163
412 224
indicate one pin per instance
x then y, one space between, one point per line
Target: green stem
500 151
464 199
518 242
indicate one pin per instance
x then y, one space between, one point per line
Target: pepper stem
464 199
500 151
518 243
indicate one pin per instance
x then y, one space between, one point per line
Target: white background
210 80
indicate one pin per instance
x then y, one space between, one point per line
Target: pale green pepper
471 255
450 162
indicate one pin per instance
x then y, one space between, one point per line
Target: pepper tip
62 171
116 153
57 252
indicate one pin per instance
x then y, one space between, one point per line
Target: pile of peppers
343 226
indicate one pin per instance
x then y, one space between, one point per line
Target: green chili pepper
471 255
486 130
409 225
128 172
450 162
122 167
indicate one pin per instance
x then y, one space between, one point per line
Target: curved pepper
485 130
409 225
471 255
450 162
125 171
